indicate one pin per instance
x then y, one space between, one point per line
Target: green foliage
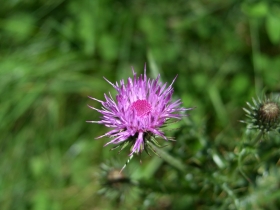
273 27
54 54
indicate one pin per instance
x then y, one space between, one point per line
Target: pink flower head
141 108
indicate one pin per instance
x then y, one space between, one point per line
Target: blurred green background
54 53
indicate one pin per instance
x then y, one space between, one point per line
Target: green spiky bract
263 114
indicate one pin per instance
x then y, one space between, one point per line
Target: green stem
231 194
243 152
168 158
258 137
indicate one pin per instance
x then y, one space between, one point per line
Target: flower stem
168 158
258 137
231 194
243 153
240 156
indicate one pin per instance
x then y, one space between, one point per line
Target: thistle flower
264 115
142 107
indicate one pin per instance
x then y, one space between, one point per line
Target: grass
55 54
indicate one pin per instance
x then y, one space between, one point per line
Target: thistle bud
115 184
263 114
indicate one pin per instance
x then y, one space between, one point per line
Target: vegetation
54 54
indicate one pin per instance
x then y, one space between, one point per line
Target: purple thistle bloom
141 108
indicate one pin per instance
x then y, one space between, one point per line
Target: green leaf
273 28
37 166
19 26
259 9
108 47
